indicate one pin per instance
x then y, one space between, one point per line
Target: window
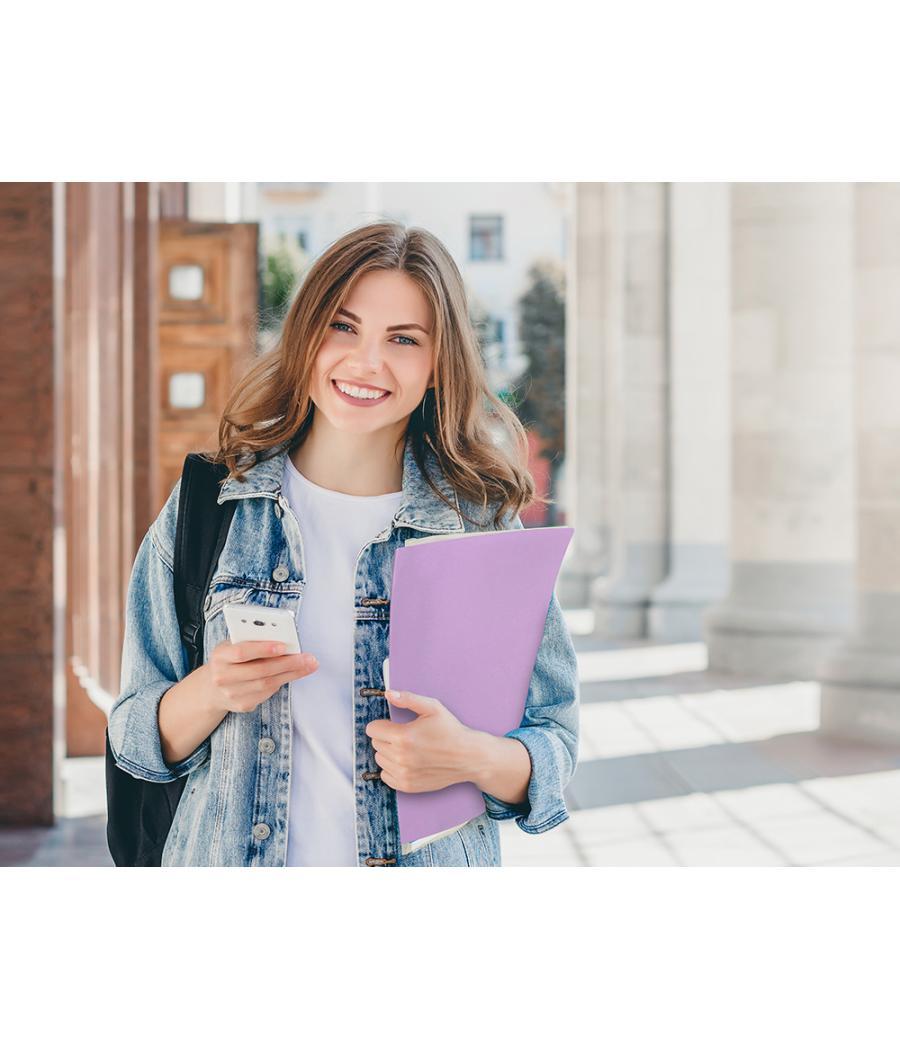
493 330
186 282
485 237
187 390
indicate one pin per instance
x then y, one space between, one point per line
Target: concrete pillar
593 330
792 531
637 431
700 409
861 679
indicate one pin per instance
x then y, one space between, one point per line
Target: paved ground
677 766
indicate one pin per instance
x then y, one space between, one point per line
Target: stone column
636 372
792 528
593 326
700 431
861 679
32 714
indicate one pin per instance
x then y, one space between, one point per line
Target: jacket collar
420 508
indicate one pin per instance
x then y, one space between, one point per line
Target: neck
355 464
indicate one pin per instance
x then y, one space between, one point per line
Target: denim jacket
234 807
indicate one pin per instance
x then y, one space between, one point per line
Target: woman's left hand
433 750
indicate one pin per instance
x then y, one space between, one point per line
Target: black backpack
140 812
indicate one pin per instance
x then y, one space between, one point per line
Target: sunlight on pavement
642 662
663 723
719 775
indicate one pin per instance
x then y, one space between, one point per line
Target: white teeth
355 391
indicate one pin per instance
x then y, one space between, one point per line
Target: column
861 679
637 426
792 529
699 404
593 325
32 733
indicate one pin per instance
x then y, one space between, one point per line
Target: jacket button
281 574
266 745
261 831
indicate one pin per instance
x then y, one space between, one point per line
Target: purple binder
467 620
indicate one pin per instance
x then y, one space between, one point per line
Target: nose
367 359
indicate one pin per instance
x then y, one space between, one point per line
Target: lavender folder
467 620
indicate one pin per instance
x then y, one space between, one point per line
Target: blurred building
734 429
124 328
494 230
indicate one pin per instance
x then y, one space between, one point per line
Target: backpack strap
200 533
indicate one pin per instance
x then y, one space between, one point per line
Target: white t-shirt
335 528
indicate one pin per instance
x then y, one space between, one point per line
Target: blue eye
343 325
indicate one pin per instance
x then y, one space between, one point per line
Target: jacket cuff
144 758
546 806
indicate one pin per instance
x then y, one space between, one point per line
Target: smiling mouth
350 399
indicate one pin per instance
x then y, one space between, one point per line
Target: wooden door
207 333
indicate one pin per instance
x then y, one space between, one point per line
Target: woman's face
380 342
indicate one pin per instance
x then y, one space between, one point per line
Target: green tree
540 401
278 280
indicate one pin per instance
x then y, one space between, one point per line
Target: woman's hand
241 675
433 750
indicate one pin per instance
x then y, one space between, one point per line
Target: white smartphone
256 623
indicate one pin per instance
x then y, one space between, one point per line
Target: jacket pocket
474 845
482 842
223 593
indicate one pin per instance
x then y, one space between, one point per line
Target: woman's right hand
241 675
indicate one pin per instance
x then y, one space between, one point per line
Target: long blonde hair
480 445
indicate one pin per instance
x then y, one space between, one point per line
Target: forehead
385 295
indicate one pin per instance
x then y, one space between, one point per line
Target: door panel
207 333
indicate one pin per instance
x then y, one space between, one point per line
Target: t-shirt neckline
345 496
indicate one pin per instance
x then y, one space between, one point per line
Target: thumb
422 705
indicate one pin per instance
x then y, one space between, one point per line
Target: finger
422 705
258 690
385 764
240 652
388 778
296 665
381 729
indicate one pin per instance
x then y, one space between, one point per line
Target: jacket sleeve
153 658
549 729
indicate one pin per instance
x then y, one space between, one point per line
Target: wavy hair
480 445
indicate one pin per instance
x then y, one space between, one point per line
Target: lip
354 401
361 386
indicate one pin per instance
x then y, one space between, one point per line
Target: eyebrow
390 328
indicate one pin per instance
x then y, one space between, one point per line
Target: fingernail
310 660
279 648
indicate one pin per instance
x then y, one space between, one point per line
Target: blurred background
708 374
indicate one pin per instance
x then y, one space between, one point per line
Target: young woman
369 423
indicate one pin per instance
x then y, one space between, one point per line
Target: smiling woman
370 423
383 307
367 379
